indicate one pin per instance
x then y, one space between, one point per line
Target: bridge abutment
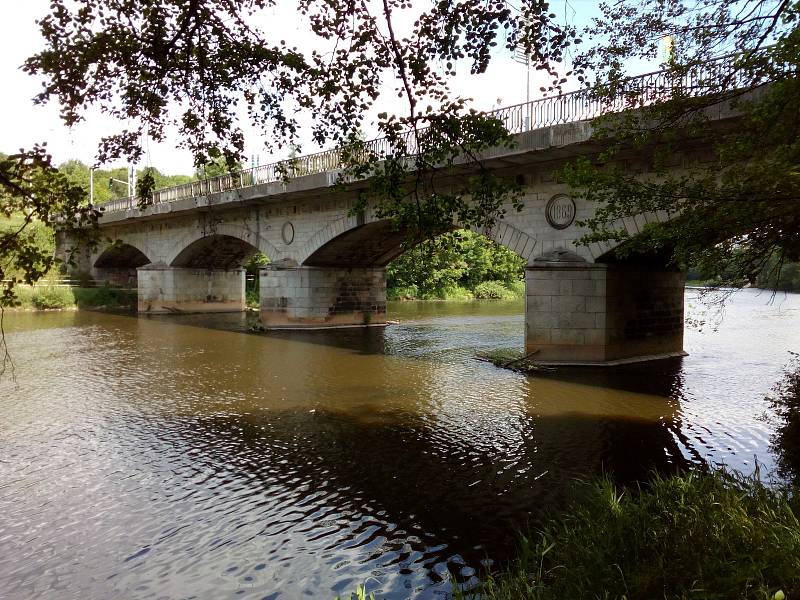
164 289
322 296
582 313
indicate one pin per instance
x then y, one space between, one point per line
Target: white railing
571 107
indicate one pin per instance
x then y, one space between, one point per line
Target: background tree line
458 265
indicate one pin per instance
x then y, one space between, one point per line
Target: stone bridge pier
164 289
601 313
322 296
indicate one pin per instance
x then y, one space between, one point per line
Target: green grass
493 290
456 293
488 290
252 299
685 536
688 536
104 297
44 297
359 594
403 293
50 297
517 288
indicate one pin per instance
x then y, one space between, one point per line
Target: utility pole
524 58
91 186
132 180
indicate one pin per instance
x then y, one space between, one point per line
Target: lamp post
524 58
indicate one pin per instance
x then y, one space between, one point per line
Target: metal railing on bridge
581 105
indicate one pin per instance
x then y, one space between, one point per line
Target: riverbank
56 297
691 535
486 290
696 534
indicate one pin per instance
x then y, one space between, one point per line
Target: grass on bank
688 536
487 290
52 297
693 535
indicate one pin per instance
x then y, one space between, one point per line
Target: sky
22 123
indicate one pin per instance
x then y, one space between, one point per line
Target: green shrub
252 298
457 258
254 262
456 292
359 594
694 535
84 278
517 288
493 290
410 292
104 297
51 297
785 401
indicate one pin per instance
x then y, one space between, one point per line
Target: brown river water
181 457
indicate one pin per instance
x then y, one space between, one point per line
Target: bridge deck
536 125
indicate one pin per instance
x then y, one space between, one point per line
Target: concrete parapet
583 313
164 289
296 297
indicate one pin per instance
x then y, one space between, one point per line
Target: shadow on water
362 340
465 316
382 490
167 460
658 377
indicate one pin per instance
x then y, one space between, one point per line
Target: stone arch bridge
186 252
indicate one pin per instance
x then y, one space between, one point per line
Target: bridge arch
604 252
121 255
346 243
241 242
214 252
118 263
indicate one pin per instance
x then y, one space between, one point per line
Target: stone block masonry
164 289
299 297
582 310
584 313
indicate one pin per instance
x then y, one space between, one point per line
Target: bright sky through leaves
23 123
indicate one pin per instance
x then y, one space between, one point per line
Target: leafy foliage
37 236
217 166
785 401
51 297
493 290
783 277
32 213
198 66
145 185
47 296
737 210
34 194
105 189
458 260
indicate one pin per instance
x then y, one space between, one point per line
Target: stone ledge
612 363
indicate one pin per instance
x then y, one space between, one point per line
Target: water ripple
159 458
